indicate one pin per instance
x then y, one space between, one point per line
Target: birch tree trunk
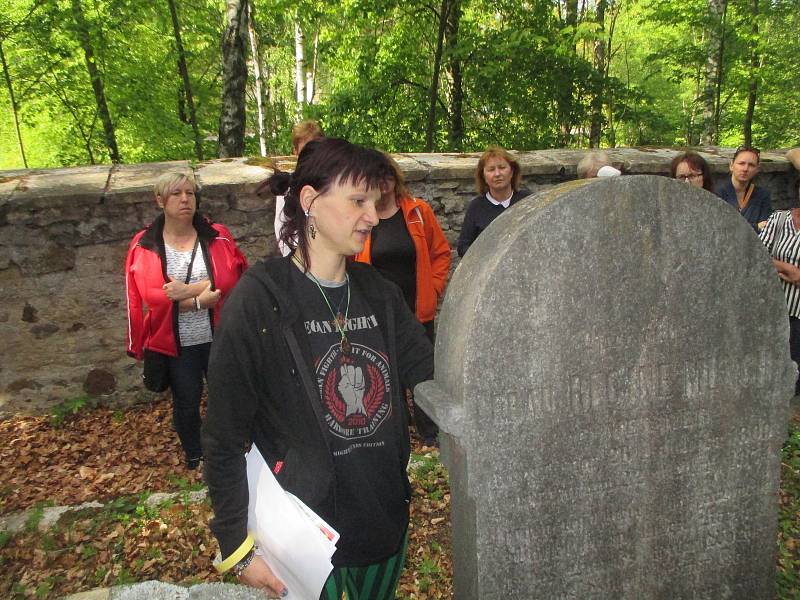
299 68
311 75
715 48
255 58
187 86
82 29
234 80
14 107
433 91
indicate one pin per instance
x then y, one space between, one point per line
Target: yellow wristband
236 555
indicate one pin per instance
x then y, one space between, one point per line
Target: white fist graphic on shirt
351 387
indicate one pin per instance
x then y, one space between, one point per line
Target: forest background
98 81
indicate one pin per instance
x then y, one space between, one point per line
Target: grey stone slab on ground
613 383
157 590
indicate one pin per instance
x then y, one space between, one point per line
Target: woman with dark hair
693 169
309 365
497 178
180 268
408 248
753 202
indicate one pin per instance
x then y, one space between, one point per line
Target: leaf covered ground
120 459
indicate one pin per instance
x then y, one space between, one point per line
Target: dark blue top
480 213
758 209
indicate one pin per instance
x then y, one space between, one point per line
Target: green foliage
789 517
5 537
71 406
35 517
529 75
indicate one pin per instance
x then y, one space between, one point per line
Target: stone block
412 169
612 384
446 166
61 188
229 177
134 183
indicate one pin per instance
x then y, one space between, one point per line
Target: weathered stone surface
64 234
29 313
23 384
447 166
230 176
99 382
156 590
61 187
133 183
47 258
612 381
411 168
44 330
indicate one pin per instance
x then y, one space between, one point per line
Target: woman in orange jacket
408 248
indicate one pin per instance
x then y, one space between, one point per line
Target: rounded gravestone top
602 272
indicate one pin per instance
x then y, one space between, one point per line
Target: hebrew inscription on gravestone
612 381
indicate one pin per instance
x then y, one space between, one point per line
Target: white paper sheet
288 533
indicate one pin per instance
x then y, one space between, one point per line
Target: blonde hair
166 182
303 132
497 152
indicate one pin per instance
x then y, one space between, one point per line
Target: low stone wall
64 234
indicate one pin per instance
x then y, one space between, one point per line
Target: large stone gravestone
612 381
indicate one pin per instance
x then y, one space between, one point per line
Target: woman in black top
408 248
309 365
498 179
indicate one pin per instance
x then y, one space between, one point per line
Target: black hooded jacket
262 391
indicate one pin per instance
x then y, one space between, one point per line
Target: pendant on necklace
345 346
340 321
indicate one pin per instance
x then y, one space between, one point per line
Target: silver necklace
339 319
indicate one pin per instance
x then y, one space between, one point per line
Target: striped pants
373 582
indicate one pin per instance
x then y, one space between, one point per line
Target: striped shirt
193 327
786 250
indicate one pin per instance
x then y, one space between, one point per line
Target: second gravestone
612 379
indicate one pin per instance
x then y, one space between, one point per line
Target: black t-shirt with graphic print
370 507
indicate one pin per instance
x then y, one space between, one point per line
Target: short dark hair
696 162
497 152
751 149
322 164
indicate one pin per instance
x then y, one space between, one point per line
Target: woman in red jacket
408 248
180 268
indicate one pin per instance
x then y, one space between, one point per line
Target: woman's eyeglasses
689 177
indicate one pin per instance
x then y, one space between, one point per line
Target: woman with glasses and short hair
754 203
693 169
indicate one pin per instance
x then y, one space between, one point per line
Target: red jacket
144 280
433 255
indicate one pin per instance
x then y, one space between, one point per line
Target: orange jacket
433 255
